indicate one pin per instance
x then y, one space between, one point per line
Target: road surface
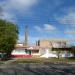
37 69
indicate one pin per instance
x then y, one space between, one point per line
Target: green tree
8 36
73 50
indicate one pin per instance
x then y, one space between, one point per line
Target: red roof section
28 47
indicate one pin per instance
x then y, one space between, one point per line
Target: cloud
69 31
46 27
20 6
38 28
8 17
67 17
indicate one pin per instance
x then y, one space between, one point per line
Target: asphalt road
37 69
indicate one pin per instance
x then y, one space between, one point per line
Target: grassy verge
43 60
1 62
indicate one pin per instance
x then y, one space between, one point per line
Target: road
37 69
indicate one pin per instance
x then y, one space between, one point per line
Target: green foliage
8 36
73 50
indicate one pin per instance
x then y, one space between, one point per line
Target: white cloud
8 17
69 31
68 17
49 27
45 27
21 6
38 28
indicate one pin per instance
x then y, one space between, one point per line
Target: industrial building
43 48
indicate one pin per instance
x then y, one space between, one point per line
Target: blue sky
46 19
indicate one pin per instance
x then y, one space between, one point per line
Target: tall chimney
26 36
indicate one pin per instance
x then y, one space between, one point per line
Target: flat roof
55 40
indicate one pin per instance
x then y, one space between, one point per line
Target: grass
44 60
39 60
1 62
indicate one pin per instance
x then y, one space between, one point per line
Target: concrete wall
52 43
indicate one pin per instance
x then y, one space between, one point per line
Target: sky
46 19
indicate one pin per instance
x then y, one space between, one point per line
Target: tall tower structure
26 36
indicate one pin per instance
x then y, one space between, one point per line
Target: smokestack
26 36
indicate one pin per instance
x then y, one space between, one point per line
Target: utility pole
26 36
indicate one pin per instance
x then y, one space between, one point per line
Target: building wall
46 47
52 43
20 53
35 52
42 51
59 44
45 43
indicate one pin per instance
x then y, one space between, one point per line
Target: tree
8 36
60 51
73 50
